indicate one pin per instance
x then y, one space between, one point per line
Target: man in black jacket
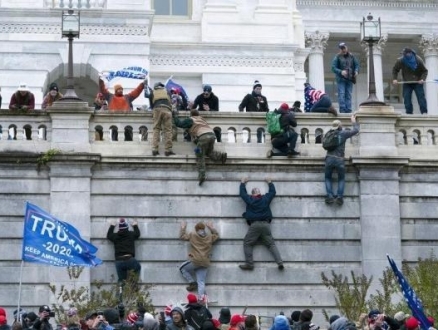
255 102
258 215
286 140
42 323
124 248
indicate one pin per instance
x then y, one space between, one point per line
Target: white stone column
378 71
317 42
429 44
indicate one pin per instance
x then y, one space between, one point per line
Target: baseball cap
342 45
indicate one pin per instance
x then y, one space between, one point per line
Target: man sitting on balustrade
286 140
119 101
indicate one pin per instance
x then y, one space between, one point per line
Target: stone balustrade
414 135
75 4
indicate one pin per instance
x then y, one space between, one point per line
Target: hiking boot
224 158
339 200
155 153
332 110
280 266
169 153
202 179
292 153
269 154
329 200
246 266
193 286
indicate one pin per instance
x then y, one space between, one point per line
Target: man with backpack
334 143
286 138
195 313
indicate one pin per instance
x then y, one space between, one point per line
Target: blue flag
414 303
132 72
171 84
48 240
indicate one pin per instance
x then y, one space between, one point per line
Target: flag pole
415 82
19 291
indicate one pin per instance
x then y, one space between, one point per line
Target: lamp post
371 33
70 29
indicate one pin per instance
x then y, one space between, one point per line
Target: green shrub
99 296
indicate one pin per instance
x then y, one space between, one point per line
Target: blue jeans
419 93
188 268
332 163
322 105
124 266
345 88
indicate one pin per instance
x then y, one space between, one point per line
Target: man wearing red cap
286 140
412 323
124 248
195 313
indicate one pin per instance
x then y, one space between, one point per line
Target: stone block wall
390 207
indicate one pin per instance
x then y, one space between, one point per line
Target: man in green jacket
203 136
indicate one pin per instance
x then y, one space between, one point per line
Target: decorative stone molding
429 44
426 4
75 4
317 41
204 60
89 29
299 67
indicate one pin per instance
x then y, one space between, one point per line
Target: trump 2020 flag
171 84
414 303
48 240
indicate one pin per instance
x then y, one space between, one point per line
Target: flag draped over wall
48 240
411 298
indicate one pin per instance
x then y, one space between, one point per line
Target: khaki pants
205 147
162 121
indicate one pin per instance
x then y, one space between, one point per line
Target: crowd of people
192 315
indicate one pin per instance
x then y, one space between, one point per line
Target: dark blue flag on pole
171 84
411 298
48 240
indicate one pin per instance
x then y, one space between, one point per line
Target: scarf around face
410 60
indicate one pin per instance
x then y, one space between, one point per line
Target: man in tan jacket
201 243
204 137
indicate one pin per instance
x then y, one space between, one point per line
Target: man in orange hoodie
119 101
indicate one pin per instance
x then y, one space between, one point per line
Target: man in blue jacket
258 216
346 67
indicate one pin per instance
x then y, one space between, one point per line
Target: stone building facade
390 204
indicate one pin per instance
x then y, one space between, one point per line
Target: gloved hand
145 82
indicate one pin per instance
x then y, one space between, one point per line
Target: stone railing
75 4
413 136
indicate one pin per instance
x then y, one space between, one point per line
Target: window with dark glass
171 7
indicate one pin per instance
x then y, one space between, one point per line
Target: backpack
197 317
331 140
273 122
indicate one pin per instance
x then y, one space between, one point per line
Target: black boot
193 286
